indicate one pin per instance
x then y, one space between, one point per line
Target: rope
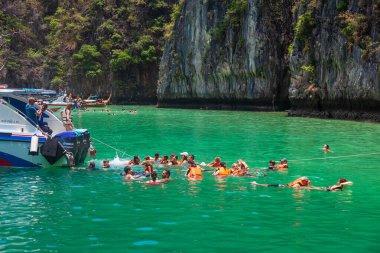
334 157
117 150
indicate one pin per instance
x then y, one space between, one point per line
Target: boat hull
15 154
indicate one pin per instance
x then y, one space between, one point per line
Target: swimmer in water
215 163
222 171
283 164
153 181
91 166
340 185
165 176
326 149
272 165
148 168
135 161
106 164
302 182
128 174
194 172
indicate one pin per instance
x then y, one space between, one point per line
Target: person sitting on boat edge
301 182
43 125
340 185
222 170
31 111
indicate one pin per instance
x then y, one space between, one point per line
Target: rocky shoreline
373 116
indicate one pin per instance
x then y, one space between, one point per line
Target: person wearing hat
283 164
183 160
301 182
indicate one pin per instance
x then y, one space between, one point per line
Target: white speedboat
24 145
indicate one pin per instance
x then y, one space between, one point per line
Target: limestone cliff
321 55
335 56
229 53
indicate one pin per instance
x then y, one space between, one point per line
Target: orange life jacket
300 182
223 172
195 172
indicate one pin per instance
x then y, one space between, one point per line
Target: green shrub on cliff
87 61
304 26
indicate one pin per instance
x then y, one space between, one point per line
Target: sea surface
62 210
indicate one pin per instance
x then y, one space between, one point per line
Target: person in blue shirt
31 111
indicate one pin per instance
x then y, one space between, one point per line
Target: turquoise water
59 210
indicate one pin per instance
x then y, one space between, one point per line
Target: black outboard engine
76 142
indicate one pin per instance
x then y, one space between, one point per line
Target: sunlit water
58 210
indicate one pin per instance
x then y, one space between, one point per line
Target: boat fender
34 145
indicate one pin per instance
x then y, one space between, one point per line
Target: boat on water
23 144
96 101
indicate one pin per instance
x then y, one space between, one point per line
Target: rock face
322 56
231 53
335 56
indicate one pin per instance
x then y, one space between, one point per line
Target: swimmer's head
156 155
223 164
234 165
272 162
217 159
284 160
91 165
166 174
127 169
154 176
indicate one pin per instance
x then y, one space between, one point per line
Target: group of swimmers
194 170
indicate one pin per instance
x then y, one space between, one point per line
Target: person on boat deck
31 111
340 185
148 167
44 126
243 167
128 174
194 171
153 181
302 182
67 118
106 164
215 163
326 149
184 156
174 160
165 160
283 164
272 165
165 176
222 170
135 161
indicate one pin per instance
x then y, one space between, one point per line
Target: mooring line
334 157
117 150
